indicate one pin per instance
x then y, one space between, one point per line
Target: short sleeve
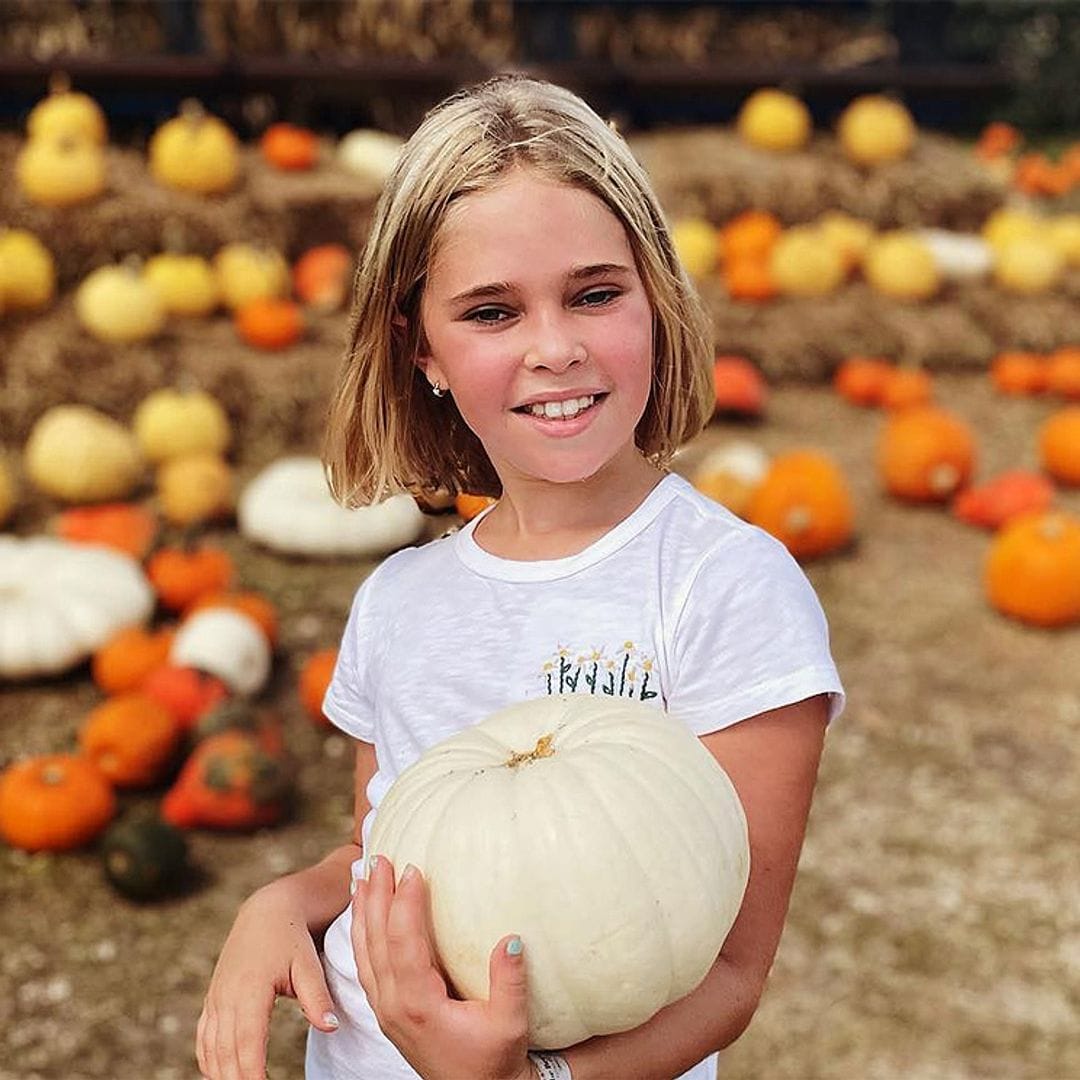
750 636
349 702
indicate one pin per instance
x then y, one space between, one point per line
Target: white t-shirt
681 605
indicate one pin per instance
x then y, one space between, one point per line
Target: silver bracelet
550 1066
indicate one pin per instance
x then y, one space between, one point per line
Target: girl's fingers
407 935
508 996
309 987
250 1032
359 940
380 895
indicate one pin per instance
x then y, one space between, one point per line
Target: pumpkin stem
799 519
944 478
53 774
541 750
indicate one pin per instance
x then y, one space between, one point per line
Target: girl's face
537 321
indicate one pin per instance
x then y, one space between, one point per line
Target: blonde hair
386 431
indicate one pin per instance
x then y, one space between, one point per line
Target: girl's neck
536 519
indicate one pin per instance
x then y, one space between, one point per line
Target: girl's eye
488 315
598 297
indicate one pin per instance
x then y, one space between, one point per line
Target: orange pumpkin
1063 372
903 387
270 323
54 802
122 526
1032 570
925 454
315 677
124 661
750 235
1007 496
180 576
1019 373
230 781
805 503
321 276
1036 174
749 279
188 694
250 603
739 386
468 506
286 146
997 140
131 738
861 379
1059 445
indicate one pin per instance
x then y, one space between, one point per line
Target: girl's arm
271 951
772 760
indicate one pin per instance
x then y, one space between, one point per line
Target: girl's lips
560 426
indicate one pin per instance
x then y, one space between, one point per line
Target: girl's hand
269 951
442 1038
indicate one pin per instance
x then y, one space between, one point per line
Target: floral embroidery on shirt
628 673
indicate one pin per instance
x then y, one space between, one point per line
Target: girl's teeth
555 410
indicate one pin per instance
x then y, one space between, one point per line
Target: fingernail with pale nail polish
331 1020
514 947
409 873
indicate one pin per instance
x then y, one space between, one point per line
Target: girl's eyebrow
499 288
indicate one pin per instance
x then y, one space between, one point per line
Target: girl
522 328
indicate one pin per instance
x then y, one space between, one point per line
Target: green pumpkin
144 857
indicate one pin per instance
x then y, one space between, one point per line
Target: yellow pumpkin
246 272
195 488
78 454
60 171
195 152
1008 224
7 492
173 423
849 235
1063 232
874 129
116 305
901 265
27 271
1028 266
772 120
186 283
66 112
696 245
803 264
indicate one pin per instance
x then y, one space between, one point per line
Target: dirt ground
934 931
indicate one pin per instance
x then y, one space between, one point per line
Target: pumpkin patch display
195 488
131 738
67 113
186 284
874 129
121 526
530 807
739 387
805 503
54 802
925 454
289 147
117 305
322 276
1059 445
370 154
180 576
27 271
78 454
288 508
58 171
1009 495
195 152
144 858
315 676
271 323
63 601
123 663
230 781
1032 569
170 423
247 272
774 120
187 693
227 644
731 474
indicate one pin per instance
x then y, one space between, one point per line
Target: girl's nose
555 350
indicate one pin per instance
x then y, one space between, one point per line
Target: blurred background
879 203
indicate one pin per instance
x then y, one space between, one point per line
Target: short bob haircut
386 431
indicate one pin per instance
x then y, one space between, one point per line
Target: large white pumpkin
600 830
59 602
288 507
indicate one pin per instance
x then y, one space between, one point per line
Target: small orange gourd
132 739
181 576
321 276
861 379
750 235
54 802
739 387
1019 373
903 387
271 323
315 677
289 147
1063 372
925 454
1008 496
1032 570
805 503
749 279
468 506
124 661
1059 444
122 526
188 694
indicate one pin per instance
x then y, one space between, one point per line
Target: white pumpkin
600 830
958 256
370 153
288 508
60 602
225 643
